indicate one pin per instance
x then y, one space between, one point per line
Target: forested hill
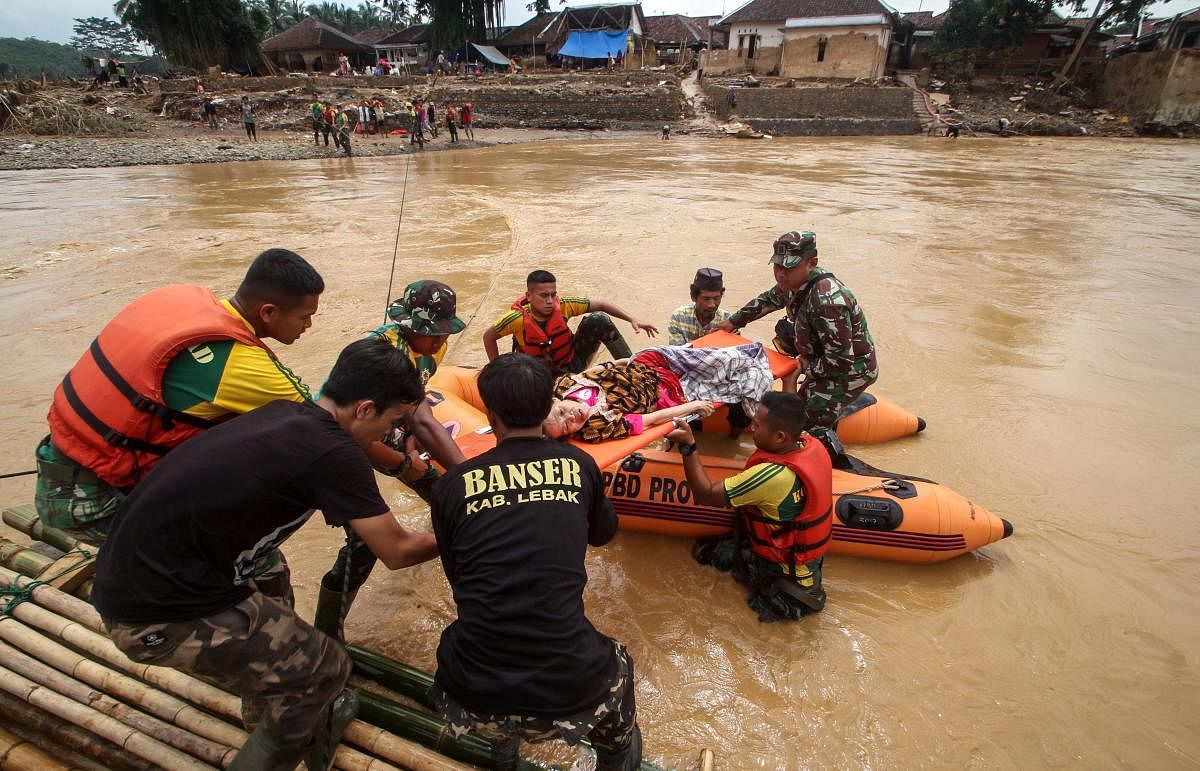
26 58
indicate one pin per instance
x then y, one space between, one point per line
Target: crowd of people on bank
182 445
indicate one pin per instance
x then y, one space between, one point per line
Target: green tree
198 33
104 36
457 21
26 58
278 14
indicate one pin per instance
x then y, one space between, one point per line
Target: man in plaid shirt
703 314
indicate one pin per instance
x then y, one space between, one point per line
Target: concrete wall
813 111
1161 87
770 33
850 52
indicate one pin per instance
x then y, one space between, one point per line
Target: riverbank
229 144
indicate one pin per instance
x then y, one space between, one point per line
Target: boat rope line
18 474
387 301
887 484
497 274
17 594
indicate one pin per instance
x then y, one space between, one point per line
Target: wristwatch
687 449
404 466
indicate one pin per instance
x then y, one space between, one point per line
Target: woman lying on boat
622 398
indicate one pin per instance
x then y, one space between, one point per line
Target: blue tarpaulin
594 44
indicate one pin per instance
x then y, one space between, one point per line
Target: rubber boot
329 731
328 616
626 761
505 754
262 753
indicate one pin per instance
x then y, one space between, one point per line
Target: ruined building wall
849 53
1161 87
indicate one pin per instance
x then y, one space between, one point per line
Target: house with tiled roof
529 41
925 26
717 37
842 39
314 46
373 35
677 39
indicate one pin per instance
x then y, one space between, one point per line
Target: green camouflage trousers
259 649
609 726
594 329
774 595
824 400
71 498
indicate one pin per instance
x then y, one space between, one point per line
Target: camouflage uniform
426 308
609 726
596 328
835 341
258 649
770 597
825 325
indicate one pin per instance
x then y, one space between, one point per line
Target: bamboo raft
69 698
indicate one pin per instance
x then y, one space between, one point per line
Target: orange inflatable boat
877 516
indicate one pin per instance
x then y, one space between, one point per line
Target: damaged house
314 46
843 39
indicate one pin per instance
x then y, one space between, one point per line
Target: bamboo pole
210 752
74 739
135 741
84 634
16 754
22 559
121 686
25 519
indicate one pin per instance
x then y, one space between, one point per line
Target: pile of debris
25 108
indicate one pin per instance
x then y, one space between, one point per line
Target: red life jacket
553 344
806 537
108 413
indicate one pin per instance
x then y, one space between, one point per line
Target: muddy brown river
1034 300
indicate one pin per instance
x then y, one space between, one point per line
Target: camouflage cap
427 308
793 247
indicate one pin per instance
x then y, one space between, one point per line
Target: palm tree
277 13
199 33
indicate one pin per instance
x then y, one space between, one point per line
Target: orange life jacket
553 344
806 537
108 413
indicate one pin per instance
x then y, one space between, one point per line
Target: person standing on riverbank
318 120
522 660
174 584
171 364
451 123
538 325
703 314
824 328
423 319
210 113
467 115
248 119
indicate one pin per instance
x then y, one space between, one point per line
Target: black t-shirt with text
183 544
513 526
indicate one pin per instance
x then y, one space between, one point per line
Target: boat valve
633 463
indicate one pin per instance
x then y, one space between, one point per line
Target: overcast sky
52 19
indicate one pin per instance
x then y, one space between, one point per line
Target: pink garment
636 426
588 395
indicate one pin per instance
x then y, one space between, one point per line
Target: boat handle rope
18 474
887 484
18 594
